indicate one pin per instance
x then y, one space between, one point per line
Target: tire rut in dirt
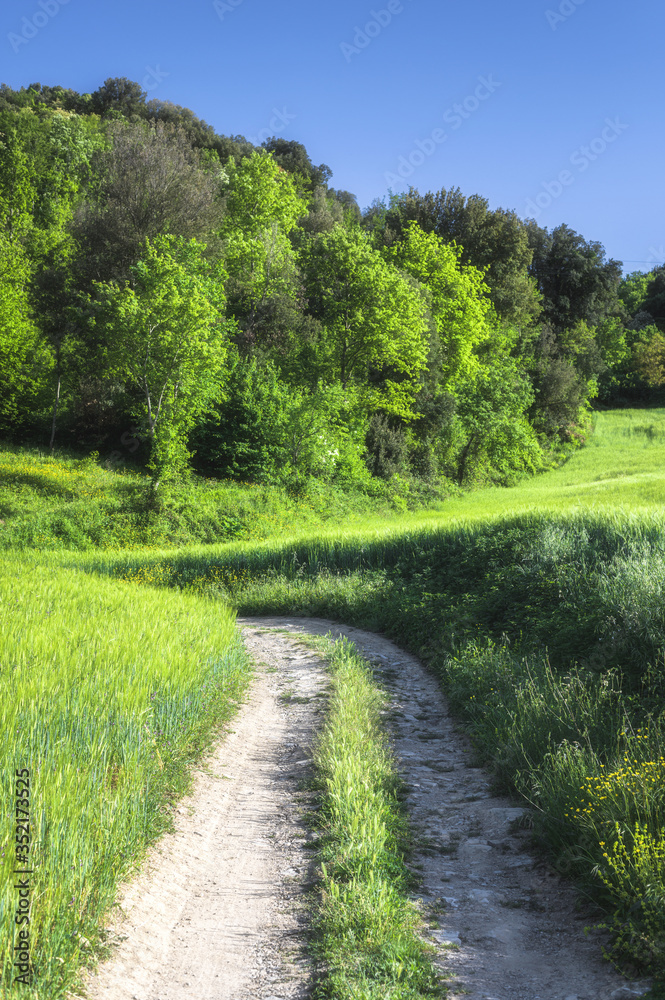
509 928
217 912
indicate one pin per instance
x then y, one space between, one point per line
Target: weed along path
508 928
217 912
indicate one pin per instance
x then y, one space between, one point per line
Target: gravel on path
218 910
509 926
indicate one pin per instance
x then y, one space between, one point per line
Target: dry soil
218 912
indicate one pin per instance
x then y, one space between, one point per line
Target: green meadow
540 607
109 696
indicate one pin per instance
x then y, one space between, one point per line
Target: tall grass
541 608
368 942
108 695
547 629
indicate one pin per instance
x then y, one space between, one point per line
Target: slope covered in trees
221 307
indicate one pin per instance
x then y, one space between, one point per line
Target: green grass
540 607
367 931
542 610
76 504
63 502
109 696
621 465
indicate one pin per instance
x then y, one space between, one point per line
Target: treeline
183 298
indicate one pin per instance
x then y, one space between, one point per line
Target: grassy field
109 695
540 607
622 465
55 503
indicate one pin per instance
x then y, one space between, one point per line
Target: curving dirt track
217 913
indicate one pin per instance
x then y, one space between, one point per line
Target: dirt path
513 922
217 913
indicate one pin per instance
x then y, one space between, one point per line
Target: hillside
538 609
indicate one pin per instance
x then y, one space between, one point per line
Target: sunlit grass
621 465
108 696
55 503
368 939
541 607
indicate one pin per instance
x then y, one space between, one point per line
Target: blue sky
553 108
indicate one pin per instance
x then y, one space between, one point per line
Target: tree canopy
226 299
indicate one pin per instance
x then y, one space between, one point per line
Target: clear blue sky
536 82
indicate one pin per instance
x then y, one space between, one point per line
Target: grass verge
366 930
63 502
108 696
548 633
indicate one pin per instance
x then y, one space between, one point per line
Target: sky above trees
552 108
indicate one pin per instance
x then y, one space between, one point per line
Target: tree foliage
459 300
227 299
149 182
167 336
374 319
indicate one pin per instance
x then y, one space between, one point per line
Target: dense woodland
183 299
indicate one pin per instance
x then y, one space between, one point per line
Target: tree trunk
461 469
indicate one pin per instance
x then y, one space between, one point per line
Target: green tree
495 437
25 361
120 95
319 432
53 294
45 165
494 241
654 300
150 182
459 298
633 290
649 358
293 157
259 194
575 280
325 212
262 271
375 327
17 188
263 205
167 336
239 439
